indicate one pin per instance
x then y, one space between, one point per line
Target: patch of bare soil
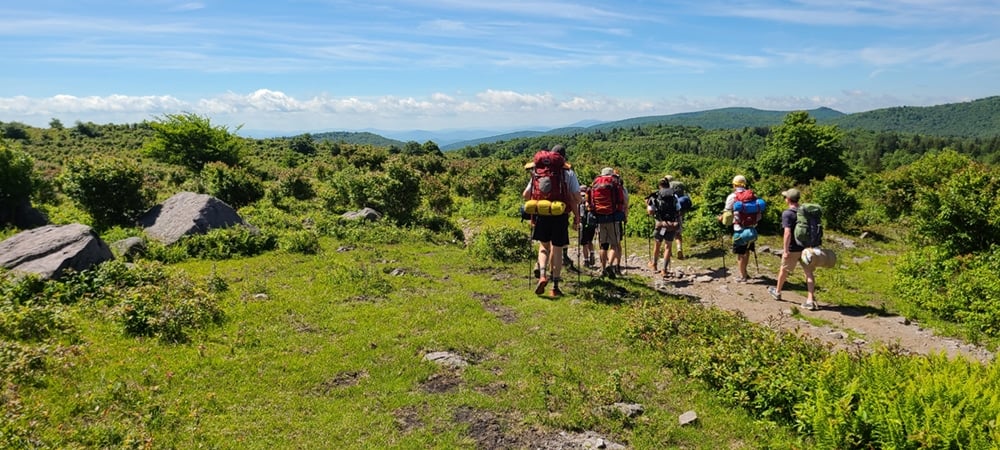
505 314
441 382
848 327
494 432
338 381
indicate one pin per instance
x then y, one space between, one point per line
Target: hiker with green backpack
802 229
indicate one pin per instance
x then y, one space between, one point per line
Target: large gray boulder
188 213
50 250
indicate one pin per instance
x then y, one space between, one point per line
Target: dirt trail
699 280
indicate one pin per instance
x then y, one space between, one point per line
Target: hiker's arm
527 192
787 242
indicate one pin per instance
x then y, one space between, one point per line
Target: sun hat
740 180
792 194
607 171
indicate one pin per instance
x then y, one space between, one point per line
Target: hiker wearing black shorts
552 231
588 229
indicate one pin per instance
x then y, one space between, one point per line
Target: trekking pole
755 263
624 254
722 245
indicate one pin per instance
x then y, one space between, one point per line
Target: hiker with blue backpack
802 229
684 205
664 208
743 211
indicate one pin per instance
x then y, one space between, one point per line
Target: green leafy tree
962 214
191 140
16 175
803 150
111 190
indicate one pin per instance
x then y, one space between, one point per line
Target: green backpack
808 225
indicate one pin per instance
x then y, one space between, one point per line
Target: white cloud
266 109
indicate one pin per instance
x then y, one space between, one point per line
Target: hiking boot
810 306
680 255
540 288
556 292
567 262
774 293
608 272
537 273
651 265
665 274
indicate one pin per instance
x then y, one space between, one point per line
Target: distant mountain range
977 118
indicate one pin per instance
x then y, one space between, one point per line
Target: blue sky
319 65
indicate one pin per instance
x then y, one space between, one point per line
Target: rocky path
842 327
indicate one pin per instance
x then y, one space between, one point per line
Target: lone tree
191 140
803 150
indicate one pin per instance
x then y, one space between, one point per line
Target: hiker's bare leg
810 284
655 256
557 262
680 246
783 273
543 257
667 251
744 260
604 256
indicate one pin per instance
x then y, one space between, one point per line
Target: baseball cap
607 171
792 194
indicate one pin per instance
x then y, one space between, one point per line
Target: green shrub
961 214
225 243
961 290
838 202
301 241
502 244
295 184
233 185
111 190
169 311
886 400
16 175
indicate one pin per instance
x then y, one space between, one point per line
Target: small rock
862 259
687 418
860 342
629 409
397 272
344 248
704 279
838 334
905 321
864 235
260 296
844 242
765 249
447 359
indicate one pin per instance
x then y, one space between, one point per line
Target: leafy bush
838 202
885 400
302 241
295 184
896 191
962 290
233 185
169 311
16 175
111 190
502 244
225 243
962 213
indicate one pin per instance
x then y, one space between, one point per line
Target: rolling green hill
358 138
978 118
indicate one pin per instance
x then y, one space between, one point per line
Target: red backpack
547 177
606 196
748 208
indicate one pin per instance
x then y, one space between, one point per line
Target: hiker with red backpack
551 195
743 210
607 202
